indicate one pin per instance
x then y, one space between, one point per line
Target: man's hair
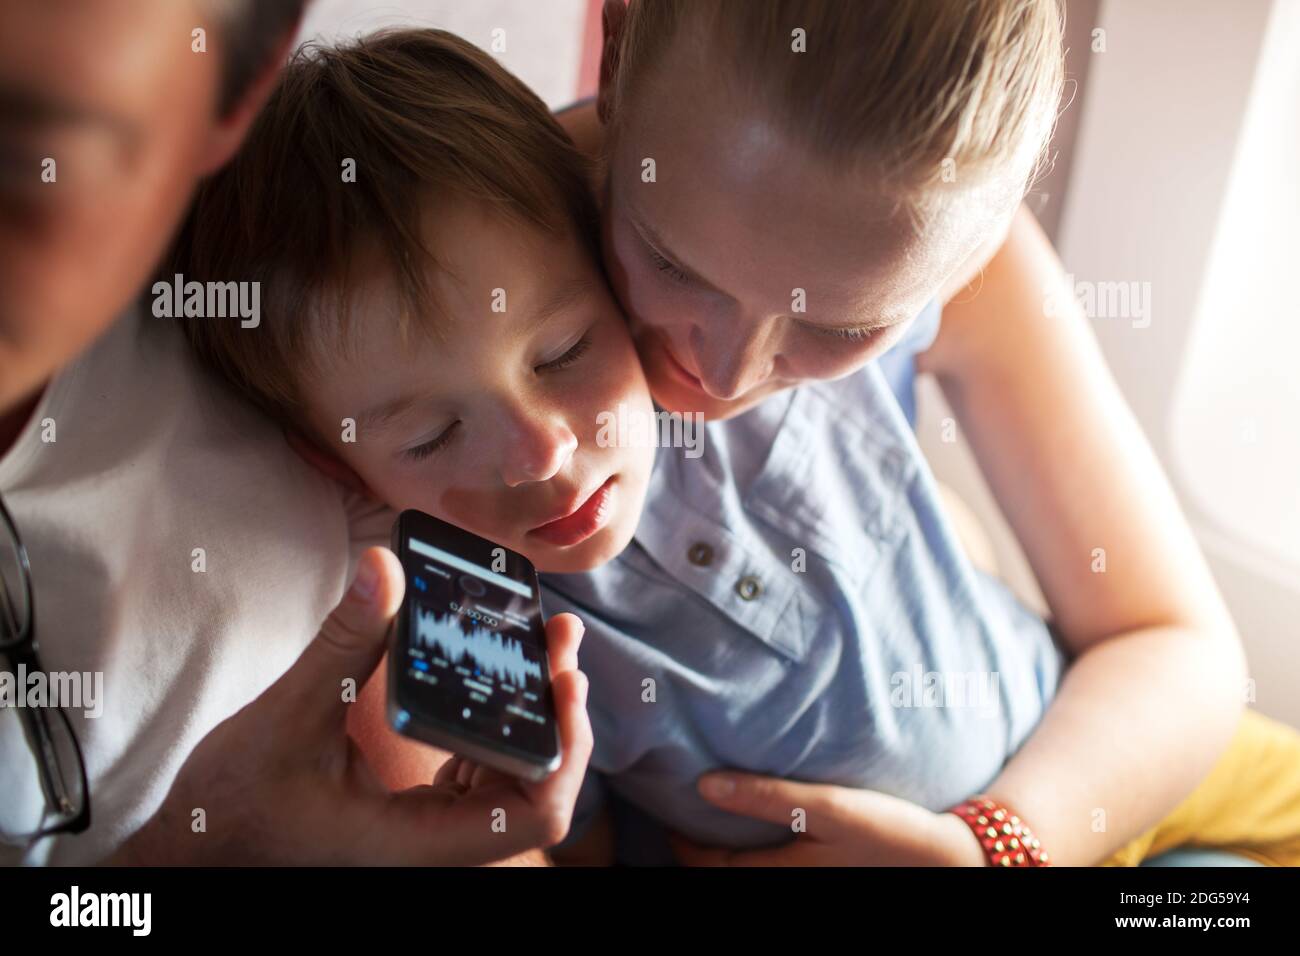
251 30
424 118
886 88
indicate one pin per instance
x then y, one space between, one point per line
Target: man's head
109 114
435 326
788 183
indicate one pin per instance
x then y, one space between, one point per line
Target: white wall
1185 177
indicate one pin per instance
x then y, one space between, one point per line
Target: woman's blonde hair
926 95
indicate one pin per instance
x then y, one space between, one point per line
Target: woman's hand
841 826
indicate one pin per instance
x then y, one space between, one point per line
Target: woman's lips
590 517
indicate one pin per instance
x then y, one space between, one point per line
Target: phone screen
473 653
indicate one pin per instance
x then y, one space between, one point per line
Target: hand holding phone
295 799
468 668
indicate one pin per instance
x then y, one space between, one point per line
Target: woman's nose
535 448
734 357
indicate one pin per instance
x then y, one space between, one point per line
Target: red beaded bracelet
1006 839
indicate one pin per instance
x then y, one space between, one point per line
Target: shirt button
700 554
749 587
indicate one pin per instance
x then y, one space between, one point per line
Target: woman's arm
1157 688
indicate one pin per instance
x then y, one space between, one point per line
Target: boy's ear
325 463
231 127
613 17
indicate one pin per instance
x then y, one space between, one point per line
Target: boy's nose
535 451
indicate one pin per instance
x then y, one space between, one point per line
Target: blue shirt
794 603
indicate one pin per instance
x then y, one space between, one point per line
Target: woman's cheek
645 296
832 360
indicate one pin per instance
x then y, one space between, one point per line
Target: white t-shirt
152 459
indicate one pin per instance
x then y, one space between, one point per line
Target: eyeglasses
42 773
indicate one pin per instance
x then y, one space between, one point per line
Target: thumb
351 641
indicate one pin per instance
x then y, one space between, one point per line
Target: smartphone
467 663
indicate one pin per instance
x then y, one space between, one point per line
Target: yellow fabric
1249 803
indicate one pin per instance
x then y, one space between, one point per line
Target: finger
465 772
557 794
482 776
348 646
563 635
505 817
423 826
776 800
446 787
690 853
447 772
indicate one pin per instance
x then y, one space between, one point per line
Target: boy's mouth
584 521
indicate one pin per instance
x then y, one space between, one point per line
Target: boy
436 330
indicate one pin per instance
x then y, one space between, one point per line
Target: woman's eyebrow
655 241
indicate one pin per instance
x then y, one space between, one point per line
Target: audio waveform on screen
491 652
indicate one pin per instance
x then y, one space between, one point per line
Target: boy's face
490 421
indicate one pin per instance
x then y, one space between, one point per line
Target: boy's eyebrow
563 297
381 416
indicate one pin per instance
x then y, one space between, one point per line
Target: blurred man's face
113 94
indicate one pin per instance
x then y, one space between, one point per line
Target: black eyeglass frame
18 647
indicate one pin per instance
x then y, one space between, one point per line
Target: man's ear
613 17
233 126
325 463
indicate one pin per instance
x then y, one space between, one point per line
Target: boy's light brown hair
923 96
424 118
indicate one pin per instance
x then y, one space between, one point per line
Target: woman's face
744 266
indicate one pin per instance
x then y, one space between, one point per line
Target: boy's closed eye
424 449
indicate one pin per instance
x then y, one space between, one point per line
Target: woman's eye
569 357
423 451
667 268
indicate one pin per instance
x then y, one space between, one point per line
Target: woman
784 187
